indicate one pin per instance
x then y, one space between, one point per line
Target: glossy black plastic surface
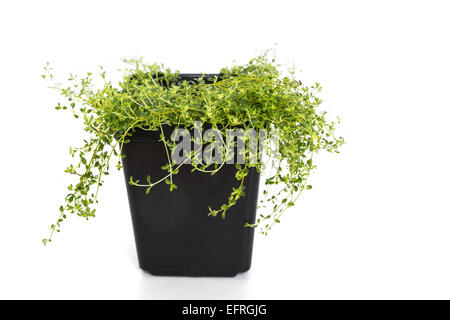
174 234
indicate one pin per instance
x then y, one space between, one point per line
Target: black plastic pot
173 232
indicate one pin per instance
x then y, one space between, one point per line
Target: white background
375 225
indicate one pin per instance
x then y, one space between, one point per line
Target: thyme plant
255 95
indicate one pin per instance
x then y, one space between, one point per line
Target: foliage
255 95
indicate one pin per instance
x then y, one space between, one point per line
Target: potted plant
193 147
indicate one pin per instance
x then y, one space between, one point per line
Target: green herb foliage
256 95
